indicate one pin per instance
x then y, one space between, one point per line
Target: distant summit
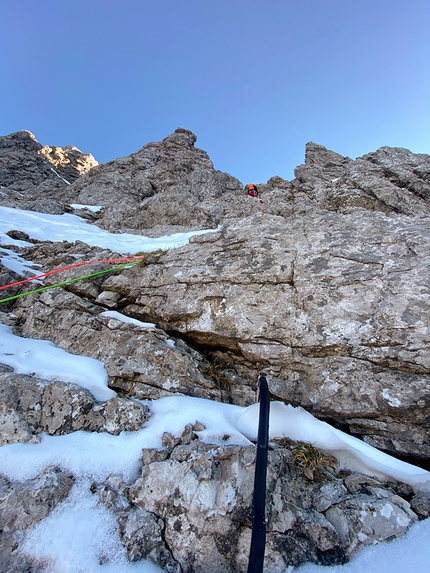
31 175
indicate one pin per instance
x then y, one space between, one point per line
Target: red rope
122 260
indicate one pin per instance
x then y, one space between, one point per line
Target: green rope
70 281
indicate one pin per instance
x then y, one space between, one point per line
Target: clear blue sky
253 79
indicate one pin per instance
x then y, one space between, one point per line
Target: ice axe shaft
258 538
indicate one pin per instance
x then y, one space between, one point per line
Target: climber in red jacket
253 192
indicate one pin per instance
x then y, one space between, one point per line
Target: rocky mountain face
37 178
164 185
327 291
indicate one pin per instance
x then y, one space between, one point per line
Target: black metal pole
258 539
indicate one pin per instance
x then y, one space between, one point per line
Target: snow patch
93 208
86 537
17 264
395 402
126 319
60 177
352 453
386 510
43 359
47 227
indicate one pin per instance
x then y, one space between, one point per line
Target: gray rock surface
21 165
348 278
390 180
39 178
202 493
327 291
348 308
29 406
140 361
142 533
170 183
23 504
191 509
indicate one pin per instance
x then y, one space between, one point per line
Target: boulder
29 406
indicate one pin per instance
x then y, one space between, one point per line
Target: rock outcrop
167 184
327 291
142 361
29 406
349 308
70 160
24 504
201 496
341 253
39 178
390 180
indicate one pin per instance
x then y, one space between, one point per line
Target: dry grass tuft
313 462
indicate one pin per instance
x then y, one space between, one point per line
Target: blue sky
253 79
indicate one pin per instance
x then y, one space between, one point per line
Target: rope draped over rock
42 275
129 261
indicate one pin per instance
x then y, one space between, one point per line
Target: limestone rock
321 164
143 362
29 406
409 171
391 180
166 183
341 253
69 159
142 535
191 509
14 427
327 291
23 504
420 504
201 494
26 503
20 164
38 178
368 520
196 495
348 309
